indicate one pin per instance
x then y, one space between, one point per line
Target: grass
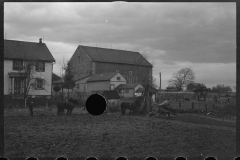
111 135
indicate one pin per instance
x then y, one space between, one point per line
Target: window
117 71
130 73
39 83
17 65
112 87
40 67
118 78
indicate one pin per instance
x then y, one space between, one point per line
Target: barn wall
81 64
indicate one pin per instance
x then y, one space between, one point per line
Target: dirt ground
111 135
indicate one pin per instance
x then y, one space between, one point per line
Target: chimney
40 40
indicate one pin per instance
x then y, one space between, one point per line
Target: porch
16 84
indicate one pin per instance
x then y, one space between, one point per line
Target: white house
99 82
16 54
81 84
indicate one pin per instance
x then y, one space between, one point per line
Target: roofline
110 48
27 59
85 53
81 78
125 63
23 41
97 80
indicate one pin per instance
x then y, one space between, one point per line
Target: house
195 86
16 55
106 81
88 61
81 83
129 90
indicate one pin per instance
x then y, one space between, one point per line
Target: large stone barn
88 61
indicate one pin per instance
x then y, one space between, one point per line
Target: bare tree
67 76
29 78
182 78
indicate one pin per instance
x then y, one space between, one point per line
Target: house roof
79 77
55 77
27 50
127 86
140 90
102 77
115 56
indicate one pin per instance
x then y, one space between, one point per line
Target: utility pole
160 86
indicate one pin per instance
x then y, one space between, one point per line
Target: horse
67 105
128 105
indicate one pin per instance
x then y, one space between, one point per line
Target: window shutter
43 67
43 83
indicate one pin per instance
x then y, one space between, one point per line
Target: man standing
31 108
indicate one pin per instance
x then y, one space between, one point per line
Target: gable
27 51
115 78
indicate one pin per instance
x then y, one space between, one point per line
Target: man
31 108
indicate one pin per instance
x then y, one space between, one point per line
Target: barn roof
115 56
27 50
101 77
55 77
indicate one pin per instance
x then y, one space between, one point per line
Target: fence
174 96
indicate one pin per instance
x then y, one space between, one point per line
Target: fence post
192 105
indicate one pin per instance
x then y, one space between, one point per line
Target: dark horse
128 105
67 105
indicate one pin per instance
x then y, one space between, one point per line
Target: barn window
130 73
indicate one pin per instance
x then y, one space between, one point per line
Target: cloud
169 34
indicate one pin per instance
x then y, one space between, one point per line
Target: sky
172 36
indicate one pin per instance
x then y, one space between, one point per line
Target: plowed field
112 135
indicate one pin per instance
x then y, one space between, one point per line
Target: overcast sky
172 35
